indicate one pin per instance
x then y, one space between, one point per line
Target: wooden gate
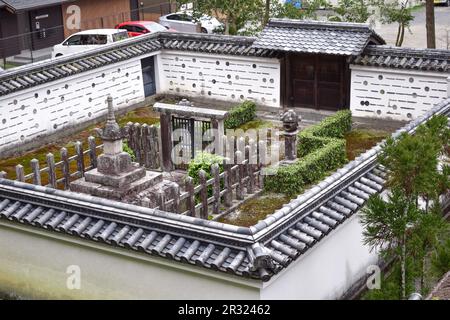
189 139
319 82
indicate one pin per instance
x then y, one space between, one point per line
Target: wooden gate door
318 81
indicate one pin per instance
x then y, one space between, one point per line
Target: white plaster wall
51 107
220 77
395 94
328 270
35 266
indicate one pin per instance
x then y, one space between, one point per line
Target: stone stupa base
121 189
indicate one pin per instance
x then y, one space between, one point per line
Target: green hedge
317 136
203 161
240 114
320 150
291 179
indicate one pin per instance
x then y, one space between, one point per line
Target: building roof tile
49 70
257 252
307 36
404 58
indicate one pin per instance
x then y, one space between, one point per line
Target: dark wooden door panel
329 95
304 95
317 81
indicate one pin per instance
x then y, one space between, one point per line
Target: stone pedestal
116 176
290 145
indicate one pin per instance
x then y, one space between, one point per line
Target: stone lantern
290 125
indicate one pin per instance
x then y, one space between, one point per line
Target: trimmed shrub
317 136
203 161
320 150
291 179
241 114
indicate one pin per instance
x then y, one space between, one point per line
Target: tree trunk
266 13
402 35
422 274
431 34
403 267
399 30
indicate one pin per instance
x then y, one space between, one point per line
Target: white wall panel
218 77
395 94
45 109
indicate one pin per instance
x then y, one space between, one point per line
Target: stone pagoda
116 176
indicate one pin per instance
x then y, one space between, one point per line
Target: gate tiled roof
306 36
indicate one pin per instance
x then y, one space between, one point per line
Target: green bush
240 114
203 161
127 149
291 179
317 136
320 150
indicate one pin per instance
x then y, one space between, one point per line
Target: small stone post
36 172
290 124
448 87
166 141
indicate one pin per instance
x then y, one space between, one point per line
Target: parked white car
88 39
184 22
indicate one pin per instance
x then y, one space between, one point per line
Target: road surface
416 37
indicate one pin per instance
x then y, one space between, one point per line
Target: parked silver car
184 22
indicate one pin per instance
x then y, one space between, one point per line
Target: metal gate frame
194 131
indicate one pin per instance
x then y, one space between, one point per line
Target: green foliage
203 161
389 289
288 10
317 136
291 179
320 150
441 258
395 11
351 11
241 114
413 159
233 13
399 226
128 150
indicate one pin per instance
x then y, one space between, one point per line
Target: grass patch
140 115
256 124
361 140
255 209
9 65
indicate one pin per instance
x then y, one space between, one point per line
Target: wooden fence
145 142
240 178
60 174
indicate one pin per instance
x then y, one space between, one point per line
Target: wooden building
316 57
38 24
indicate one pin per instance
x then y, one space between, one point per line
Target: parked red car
137 28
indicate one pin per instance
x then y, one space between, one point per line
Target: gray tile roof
405 58
28 76
258 252
19 5
219 44
305 36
